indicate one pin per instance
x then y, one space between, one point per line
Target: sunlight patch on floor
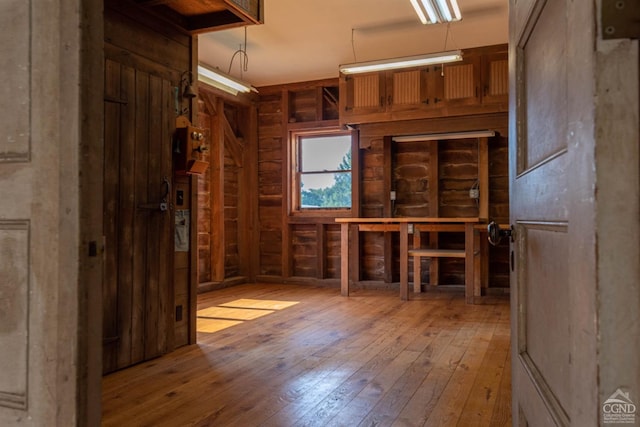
260 303
214 319
215 325
232 313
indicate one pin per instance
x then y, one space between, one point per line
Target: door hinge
620 19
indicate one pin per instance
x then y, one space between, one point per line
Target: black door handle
164 204
496 234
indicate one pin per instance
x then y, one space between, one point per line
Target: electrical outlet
474 193
392 196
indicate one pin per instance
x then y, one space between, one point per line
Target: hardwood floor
366 360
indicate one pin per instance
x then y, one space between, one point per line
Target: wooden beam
250 198
217 195
321 251
344 259
417 267
235 145
404 261
194 280
287 178
387 228
387 206
434 203
483 177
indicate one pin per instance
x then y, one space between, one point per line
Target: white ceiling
304 40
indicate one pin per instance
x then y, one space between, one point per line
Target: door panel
541 297
544 88
543 338
44 334
138 285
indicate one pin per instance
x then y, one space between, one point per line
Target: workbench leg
344 259
468 262
404 261
478 258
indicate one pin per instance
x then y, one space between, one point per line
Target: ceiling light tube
431 11
419 12
437 11
222 80
443 8
456 10
406 62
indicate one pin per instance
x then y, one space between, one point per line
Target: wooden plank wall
227 198
290 247
457 166
271 168
233 165
204 199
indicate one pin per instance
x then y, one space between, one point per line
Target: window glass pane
324 153
325 190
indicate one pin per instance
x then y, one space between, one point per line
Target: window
322 171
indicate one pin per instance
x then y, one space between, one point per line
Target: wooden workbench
467 225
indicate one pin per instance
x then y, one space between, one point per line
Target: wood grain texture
369 359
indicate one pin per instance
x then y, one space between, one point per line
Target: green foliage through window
325 171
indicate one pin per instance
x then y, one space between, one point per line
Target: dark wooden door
138 284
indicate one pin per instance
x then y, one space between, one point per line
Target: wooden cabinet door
138 270
362 95
461 81
495 78
417 89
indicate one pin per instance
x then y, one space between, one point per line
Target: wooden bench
417 254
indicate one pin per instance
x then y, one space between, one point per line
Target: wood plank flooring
327 360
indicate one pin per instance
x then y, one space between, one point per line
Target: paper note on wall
182 231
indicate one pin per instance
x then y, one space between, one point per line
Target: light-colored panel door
574 209
40 338
541 330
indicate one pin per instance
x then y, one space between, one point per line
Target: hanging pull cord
242 51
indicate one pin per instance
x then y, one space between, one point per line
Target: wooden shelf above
199 16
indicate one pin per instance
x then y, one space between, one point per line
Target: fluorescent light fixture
419 11
395 63
447 135
437 11
223 81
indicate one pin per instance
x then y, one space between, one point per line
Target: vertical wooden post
434 201
417 270
404 261
478 259
287 196
321 251
344 259
483 177
468 262
251 235
387 209
217 195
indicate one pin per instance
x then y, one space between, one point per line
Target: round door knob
496 233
